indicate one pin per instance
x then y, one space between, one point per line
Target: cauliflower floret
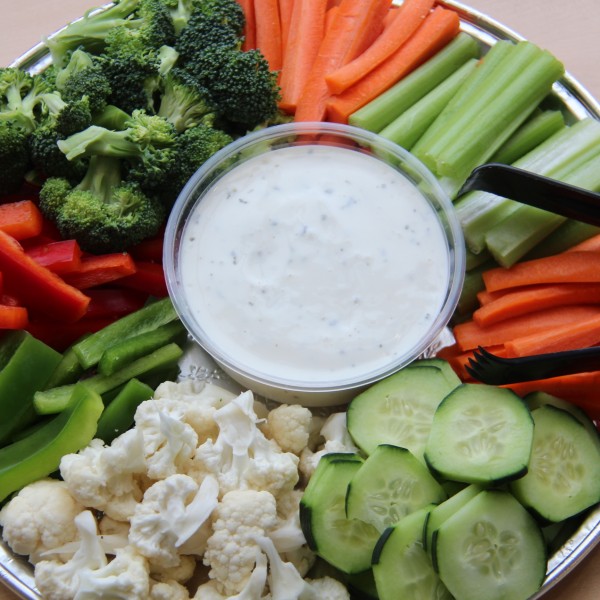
200 400
168 590
180 573
173 519
107 478
253 590
39 518
287 535
169 442
231 551
242 457
290 426
337 439
286 583
59 581
123 578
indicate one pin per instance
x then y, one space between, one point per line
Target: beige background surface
568 28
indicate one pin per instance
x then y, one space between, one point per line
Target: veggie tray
576 104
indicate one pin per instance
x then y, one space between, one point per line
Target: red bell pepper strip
150 249
149 277
113 302
36 287
13 317
101 269
21 219
60 257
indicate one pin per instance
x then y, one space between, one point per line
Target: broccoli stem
102 177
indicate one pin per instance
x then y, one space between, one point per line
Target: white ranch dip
312 262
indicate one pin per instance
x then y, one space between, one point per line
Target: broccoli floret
184 103
39 103
103 213
240 85
145 144
192 148
90 32
180 11
211 23
84 77
14 157
47 158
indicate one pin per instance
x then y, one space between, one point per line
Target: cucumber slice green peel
390 484
398 410
401 566
491 548
480 434
564 471
347 544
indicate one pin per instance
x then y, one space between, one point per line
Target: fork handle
535 190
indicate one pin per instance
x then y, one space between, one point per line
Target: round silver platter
576 103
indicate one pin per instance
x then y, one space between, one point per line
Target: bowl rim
287 134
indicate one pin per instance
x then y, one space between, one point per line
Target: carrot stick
286 8
306 31
249 32
21 219
581 334
581 389
353 22
268 32
469 335
534 298
406 21
329 17
567 267
437 30
590 245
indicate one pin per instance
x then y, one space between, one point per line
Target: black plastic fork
495 370
536 190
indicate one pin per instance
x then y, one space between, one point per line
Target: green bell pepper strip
39 454
59 398
118 416
90 350
26 364
121 354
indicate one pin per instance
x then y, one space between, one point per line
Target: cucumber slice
389 485
491 548
401 566
451 377
564 471
398 410
445 510
480 434
347 544
539 399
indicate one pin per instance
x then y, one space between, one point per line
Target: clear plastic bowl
264 349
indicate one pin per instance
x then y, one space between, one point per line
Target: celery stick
564 237
492 77
412 123
378 113
475 260
483 133
565 150
490 61
512 238
532 133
